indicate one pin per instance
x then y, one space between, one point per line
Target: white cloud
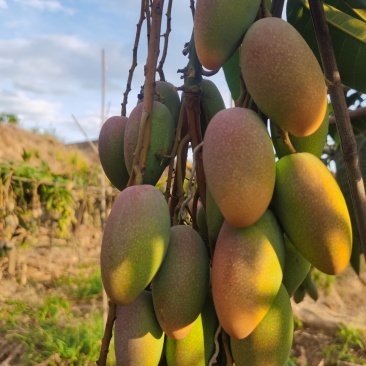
45 5
3 4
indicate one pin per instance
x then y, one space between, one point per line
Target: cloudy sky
50 60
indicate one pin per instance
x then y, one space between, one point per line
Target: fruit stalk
277 8
343 122
192 97
143 142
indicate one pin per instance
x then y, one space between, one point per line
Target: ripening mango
219 27
239 164
312 211
283 76
246 274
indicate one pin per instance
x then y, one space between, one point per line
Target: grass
55 331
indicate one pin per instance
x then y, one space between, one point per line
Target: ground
55 293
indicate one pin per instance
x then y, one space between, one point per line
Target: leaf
232 74
354 8
348 36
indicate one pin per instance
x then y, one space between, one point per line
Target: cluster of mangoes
271 213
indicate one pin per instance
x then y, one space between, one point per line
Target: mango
246 275
198 347
138 338
161 140
202 224
111 153
219 27
239 164
214 218
135 241
180 287
312 211
270 342
167 94
285 80
296 268
313 143
211 102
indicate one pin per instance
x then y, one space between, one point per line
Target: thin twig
95 150
225 341
143 141
166 40
284 136
148 20
344 126
134 58
108 332
213 359
193 9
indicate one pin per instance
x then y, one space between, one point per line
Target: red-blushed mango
180 287
135 241
283 76
219 27
138 338
161 140
270 342
239 164
111 155
312 211
246 275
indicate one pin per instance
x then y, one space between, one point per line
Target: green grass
56 329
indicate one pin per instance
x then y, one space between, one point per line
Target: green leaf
348 36
354 8
232 75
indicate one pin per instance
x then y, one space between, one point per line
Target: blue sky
50 60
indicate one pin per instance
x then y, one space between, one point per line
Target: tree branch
348 141
134 59
353 114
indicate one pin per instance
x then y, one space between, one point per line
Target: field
51 303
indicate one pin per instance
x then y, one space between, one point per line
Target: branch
283 134
277 8
166 40
353 114
143 141
344 126
108 332
148 20
134 58
192 8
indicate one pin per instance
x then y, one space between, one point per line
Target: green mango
135 241
111 153
161 140
215 219
185 276
138 338
198 346
270 342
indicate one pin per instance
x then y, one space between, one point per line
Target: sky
51 68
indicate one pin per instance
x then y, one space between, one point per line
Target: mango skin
135 241
313 143
185 276
246 276
286 81
161 140
111 153
239 164
167 94
296 268
219 27
270 342
211 102
138 338
312 211
198 346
